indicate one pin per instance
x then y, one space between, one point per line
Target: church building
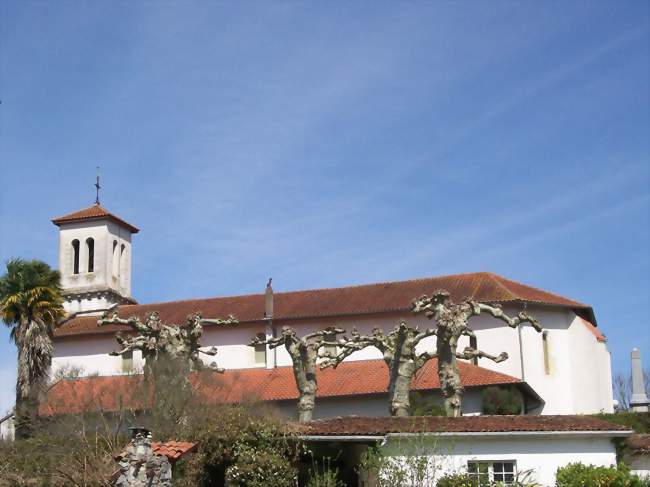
565 369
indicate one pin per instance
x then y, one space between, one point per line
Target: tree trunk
305 374
399 396
449 374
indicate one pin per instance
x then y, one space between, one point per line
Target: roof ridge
501 278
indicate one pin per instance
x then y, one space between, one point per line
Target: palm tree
31 305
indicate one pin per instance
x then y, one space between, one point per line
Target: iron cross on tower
97 187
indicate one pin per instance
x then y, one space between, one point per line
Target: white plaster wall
91 355
639 465
104 233
590 371
543 454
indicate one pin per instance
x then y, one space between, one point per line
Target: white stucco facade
539 454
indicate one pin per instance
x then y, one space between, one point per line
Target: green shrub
501 400
579 475
639 422
425 405
457 480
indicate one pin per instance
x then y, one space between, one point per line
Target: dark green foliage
501 400
251 448
639 422
457 480
426 405
579 475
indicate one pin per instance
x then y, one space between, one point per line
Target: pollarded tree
170 352
31 305
452 322
162 344
398 348
304 355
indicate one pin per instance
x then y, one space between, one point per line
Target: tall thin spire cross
97 187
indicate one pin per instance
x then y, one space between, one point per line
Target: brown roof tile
344 301
94 212
173 449
351 378
361 426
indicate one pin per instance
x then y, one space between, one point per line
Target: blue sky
336 143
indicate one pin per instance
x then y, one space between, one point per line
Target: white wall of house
543 454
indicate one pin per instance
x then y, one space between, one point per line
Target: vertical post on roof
639 401
271 354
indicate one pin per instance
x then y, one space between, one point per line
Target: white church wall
81 231
542 454
91 356
589 371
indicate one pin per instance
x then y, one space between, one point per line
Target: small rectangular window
260 350
127 362
545 345
486 473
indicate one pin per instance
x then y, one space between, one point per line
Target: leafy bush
457 480
422 405
639 422
501 400
579 475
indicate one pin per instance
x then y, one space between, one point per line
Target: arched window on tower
75 256
116 259
90 248
123 273
260 350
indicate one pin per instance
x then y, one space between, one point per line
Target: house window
75 256
90 247
127 362
547 362
260 350
473 342
488 472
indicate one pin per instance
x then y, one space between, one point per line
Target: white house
489 448
564 370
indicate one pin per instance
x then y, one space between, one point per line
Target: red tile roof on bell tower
94 212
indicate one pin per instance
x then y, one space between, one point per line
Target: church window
122 264
260 350
116 259
75 256
127 362
547 362
489 472
473 342
90 247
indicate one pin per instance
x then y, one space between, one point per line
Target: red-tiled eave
94 212
351 378
378 426
173 449
337 302
593 330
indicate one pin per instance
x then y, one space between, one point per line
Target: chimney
268 301
639 401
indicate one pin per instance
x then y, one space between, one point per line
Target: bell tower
94 259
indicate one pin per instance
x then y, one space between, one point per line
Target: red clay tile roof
595 331
345 301
351 378
95 212
376 426
173 449
639 444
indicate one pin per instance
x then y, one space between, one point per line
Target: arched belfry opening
90 252
75 256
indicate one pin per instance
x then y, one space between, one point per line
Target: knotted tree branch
304 353
398 348
452 321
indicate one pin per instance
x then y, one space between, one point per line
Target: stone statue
452 323
304 353
398 349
